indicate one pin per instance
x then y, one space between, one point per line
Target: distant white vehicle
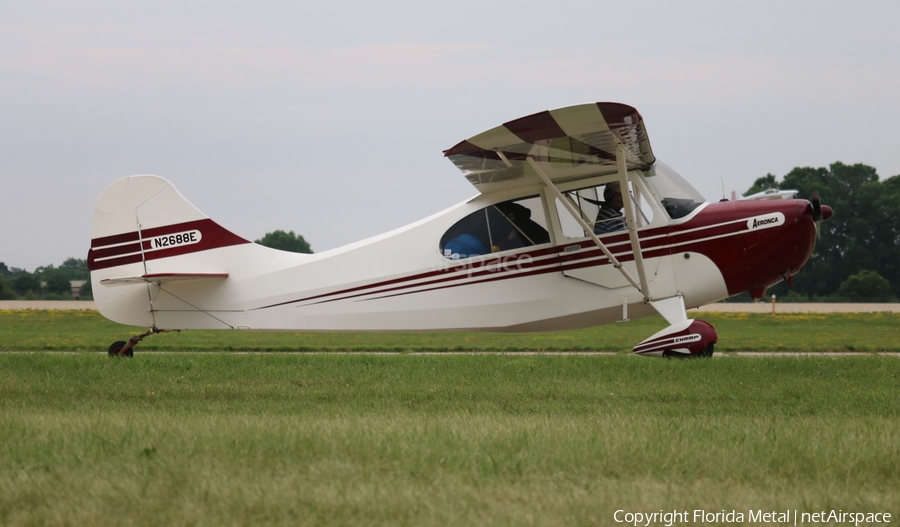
537 249
771 193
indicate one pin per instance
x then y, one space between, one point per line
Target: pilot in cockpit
609 217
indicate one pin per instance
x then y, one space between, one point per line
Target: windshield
678 197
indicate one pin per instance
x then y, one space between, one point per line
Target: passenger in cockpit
463 245
501 227
464 239
521 230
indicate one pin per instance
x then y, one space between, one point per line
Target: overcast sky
329 118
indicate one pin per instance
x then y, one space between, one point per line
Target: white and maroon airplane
541 247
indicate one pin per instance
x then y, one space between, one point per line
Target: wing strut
576 215
630 223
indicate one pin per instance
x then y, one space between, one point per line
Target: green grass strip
300 439
24 330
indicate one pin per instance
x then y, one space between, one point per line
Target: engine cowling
690 338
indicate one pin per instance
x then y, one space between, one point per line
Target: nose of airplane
776 254
819 212
806 238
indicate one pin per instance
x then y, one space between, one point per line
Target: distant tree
285 241
6 293
71 269
865 286
863 233
87 291
74 264
57 281
16 282
25 283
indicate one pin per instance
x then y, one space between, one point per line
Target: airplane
771 193
536 249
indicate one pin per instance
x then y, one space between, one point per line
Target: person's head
612 194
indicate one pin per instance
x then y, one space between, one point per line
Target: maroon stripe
586 259
117 251
212 236
125 260
535 272
115 239
500 270
618 115
536 127
467 148
590 257
475 268
664 237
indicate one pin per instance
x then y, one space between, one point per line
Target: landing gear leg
121 348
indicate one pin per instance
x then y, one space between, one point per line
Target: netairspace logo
486 265
785 517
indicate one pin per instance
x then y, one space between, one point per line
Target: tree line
857 255
46 282
55 283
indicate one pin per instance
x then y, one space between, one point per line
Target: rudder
143 226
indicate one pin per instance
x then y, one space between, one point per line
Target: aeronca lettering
176 240
765 222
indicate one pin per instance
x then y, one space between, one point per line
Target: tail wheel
116 348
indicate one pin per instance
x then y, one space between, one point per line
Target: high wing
563 145
567 144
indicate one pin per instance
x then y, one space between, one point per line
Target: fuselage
403 280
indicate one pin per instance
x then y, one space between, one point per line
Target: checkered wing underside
568 143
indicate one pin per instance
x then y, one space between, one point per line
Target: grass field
23 330
456 439
322 439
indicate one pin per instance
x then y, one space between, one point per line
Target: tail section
145 232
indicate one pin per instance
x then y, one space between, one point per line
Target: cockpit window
677 196
601 208
503 226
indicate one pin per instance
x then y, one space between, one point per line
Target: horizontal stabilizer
161 278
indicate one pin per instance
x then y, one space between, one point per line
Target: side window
586 201
503 226
602 208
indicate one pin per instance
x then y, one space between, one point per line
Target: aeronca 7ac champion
543 246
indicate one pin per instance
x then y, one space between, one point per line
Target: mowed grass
406 439
27 330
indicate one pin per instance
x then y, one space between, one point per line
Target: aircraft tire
705 353
118 345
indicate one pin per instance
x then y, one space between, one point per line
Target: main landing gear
122 348
683 340
705 353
